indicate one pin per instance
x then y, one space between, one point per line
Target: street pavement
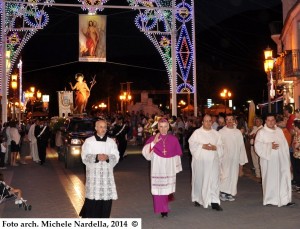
56 192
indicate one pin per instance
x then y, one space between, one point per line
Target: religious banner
65 103
92 38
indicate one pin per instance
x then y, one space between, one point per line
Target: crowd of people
19 140
216 145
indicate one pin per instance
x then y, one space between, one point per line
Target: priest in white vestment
100 154
273 150
33 143
206 149
164 151
234 154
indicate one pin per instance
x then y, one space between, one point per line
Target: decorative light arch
168 24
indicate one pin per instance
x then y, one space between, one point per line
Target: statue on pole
82 92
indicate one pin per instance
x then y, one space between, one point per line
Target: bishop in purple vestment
164 151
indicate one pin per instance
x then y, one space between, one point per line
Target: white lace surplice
100 183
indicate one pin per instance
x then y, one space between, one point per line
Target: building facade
287 65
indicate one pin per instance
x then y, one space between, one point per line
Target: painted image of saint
92 35
92 38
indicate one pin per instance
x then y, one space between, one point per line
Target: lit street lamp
181 103
14 83
39 94
33 96
268 65
225 94
125 97
102 106
14 86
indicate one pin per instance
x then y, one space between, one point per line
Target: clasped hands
102 157
275 145
209 147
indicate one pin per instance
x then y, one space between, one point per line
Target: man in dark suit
42 134
120 134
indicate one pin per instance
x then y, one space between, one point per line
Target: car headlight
75 150
75 141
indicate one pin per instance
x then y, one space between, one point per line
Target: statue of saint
82 93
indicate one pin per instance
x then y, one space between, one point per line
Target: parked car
76 130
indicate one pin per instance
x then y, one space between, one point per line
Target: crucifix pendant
164 151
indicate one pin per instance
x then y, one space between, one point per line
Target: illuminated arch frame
157 19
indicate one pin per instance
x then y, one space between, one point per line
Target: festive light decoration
185 88
13 39
33 18
184 12
184 52
165 42
146 22
93 5
184 47
37 19
2 56
157 24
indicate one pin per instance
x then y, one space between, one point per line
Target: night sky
230 38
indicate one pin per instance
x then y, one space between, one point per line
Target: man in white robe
100 154
273 150
33 143
254 156
234 154
206 149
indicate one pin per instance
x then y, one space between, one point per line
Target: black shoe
164 214
290 204
196 204
216 207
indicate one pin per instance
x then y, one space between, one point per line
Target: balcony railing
290 65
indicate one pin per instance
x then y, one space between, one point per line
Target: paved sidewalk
42 188
55 192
